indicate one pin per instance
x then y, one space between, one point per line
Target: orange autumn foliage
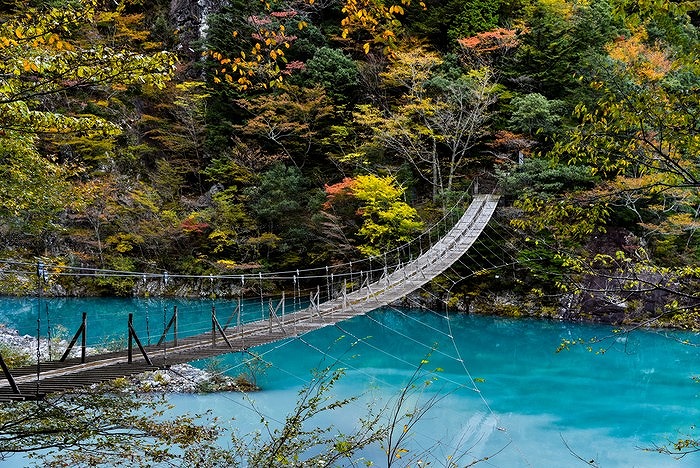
490 41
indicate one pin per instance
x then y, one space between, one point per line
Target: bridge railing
302 287
330 279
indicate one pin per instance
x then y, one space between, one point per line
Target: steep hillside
222 137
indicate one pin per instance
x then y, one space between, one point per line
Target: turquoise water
504 390
107 317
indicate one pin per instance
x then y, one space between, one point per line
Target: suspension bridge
349 294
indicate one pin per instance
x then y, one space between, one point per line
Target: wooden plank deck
60 376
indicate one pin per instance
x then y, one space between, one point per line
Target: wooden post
83 340
8 376
213 325
48 331
237 311
174 325
217 326
345 293
130 346
134 337
315 302
238 320
81 331
171 323
273 313
269 317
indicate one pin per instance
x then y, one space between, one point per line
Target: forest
221 137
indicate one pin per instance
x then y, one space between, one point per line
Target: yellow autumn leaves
374 23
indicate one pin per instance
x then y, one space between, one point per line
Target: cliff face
189 18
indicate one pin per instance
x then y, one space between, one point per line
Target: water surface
502 388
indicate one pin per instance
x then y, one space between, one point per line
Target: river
503 389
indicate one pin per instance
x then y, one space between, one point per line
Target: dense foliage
293 133
140 135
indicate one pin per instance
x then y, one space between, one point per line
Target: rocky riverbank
19 350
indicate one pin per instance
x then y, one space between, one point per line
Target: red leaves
339 190
489 41
191 225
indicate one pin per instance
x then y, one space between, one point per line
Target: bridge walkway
55 376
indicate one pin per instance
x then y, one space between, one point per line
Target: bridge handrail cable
400 255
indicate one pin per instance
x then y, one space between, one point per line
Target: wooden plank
443 254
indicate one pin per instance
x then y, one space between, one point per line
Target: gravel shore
179 378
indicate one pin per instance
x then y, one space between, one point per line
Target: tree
108 425
333 70
47 53
281 202
290 121
95 203
535 113
387 221
472 18
461 117
641 137
181 132
444 22
436 121
112 426
559 42
294 444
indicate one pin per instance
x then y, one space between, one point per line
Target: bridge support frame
273 314
216 326
236 313
133 337
315 302
8 376
345 295
171 323
81 332
369 290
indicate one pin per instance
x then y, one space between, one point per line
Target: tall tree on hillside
289 121
434 122
561 38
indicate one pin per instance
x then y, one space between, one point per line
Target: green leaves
47 55
387 221
565 219
641 137
534 113
105 425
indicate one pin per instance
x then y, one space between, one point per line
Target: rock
27 345
184 378
189 18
